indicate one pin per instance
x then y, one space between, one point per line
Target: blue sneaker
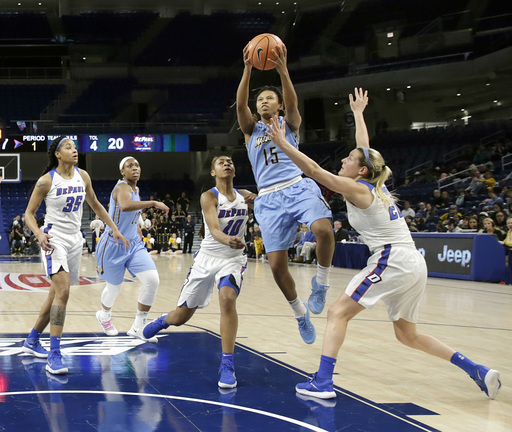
306 327
35 349
317 298
55 365
154 327
488 380
316 388
227 378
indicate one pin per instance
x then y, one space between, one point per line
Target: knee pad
150 281
109 294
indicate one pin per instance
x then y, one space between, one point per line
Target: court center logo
38 282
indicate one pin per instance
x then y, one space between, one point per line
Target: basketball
260 50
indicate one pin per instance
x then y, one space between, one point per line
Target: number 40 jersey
64 202
233 217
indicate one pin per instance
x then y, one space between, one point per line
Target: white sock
105 314
298 307
140 319
322 275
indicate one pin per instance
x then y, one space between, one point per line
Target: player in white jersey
396 272
221 261
112 260
285 199
64 188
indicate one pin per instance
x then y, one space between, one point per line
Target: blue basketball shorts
112 260
279 213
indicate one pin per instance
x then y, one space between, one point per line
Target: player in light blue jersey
111 260
220 261
285 199
64 188
396 272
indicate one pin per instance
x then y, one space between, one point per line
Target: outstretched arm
291 102
358 105
346 186
243 112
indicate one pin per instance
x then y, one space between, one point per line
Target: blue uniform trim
52 172
369 280
366 183
215 191
48 256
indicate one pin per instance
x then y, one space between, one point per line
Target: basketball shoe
317 298
306 327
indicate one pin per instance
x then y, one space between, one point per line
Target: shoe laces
108 325
227 366
304 323
319 295
56 357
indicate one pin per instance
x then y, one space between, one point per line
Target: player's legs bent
278 261
323 232
407 334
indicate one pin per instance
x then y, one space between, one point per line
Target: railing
424 165
451 179
506 161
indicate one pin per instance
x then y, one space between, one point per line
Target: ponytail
53 162
378 173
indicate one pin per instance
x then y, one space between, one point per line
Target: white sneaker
137 333
108 326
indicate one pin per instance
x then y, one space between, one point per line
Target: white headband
60 142
121 164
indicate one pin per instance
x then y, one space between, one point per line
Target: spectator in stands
32 246
16 221
407 210
451 226
259 246
462 197
17 245
169 203
183 201
422 210
251 221
249 242
340 234
494 197
508 242
189 227
490 228
421 225
476 186
305 236
27 233
501 221
436 199
473 223
452 212
410 224
488 180
445 199
431 214
180 214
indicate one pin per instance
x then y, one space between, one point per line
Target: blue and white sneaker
316 388
35 349
55 365
227 378
488 380
306 327
154 327
317 298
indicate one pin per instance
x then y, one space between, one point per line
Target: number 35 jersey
64 202
269 164
233 217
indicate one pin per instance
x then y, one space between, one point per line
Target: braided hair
53 162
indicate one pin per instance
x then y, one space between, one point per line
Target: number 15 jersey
233 217
64 202
270 164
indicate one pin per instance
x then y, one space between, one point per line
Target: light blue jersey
269 164
112 260
125 221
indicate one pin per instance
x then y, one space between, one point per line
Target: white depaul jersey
233 217
64 202
379 225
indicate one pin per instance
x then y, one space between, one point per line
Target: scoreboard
107 143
